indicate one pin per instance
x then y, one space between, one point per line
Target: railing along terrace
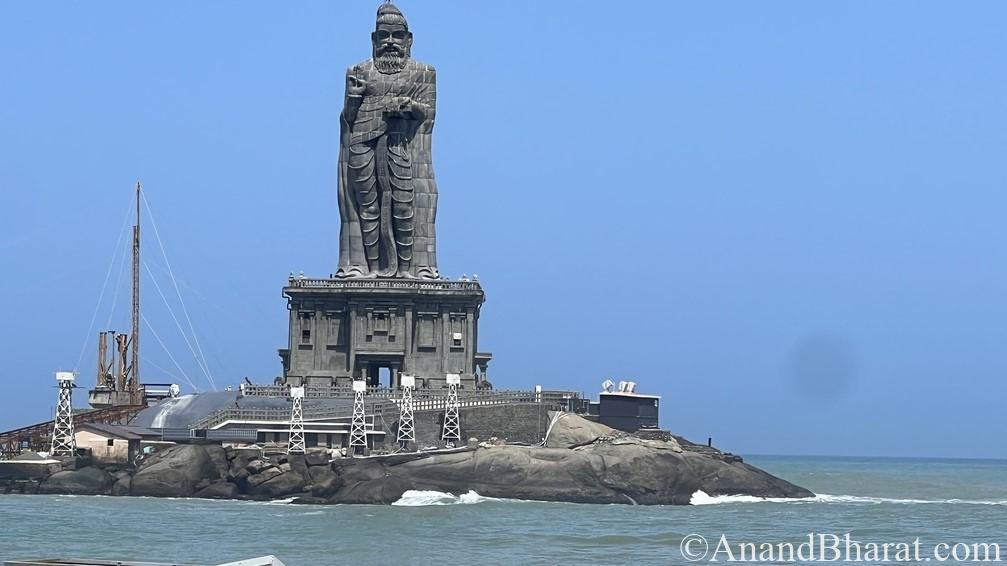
439 403
383 399
346 392
425 285
282 415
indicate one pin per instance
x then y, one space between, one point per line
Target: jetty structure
383 385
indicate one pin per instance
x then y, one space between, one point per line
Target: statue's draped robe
372 146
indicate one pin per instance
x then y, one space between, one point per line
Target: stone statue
387 192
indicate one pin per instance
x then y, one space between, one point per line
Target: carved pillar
470 342
445 342
394 372
410 347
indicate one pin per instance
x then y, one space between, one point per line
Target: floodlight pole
407 429
358 431
63 442
452 426
295 441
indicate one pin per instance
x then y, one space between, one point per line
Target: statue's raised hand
355 84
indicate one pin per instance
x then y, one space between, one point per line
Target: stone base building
379 329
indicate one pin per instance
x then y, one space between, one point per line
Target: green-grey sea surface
876 500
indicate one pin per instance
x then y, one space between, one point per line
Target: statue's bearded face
392 46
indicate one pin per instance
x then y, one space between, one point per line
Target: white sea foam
422 498
702 498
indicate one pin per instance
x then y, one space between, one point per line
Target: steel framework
295 442
63 442
452 422
358 431
407 428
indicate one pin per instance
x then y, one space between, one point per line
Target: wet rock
122 486
85 481
282 485
219 490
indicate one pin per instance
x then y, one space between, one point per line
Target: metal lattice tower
295 443
407 429
358 434
452 422
63 442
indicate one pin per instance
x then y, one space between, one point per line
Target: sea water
875 500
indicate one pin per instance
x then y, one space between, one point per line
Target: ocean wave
422 498
702 498
823 498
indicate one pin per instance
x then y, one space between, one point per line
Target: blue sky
785 218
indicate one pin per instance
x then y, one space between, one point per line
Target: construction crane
118 379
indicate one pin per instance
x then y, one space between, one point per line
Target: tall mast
135 390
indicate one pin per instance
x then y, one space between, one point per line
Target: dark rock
282 485
218 490
386 490
219 458
326 482
122 486
174 472
318 473
257 466
316 456
298 463
240 458
262 477
85 481
240 479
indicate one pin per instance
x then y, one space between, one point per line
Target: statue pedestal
378 329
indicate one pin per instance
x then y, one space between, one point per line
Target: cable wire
185 311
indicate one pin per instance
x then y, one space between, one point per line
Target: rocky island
580 461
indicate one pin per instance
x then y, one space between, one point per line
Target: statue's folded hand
399 105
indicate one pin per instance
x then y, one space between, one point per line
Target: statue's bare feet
352 272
